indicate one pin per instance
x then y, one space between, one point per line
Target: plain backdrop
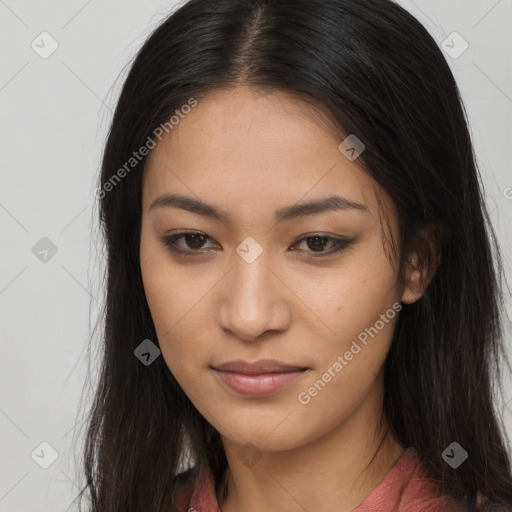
55 113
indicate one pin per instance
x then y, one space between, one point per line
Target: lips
259 378
258 367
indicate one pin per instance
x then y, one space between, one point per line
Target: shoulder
406 488
421 493
184 485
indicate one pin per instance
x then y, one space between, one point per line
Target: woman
303 310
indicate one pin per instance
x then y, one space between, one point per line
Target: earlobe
412 290
420 272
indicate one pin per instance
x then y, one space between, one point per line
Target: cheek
346 381
361 320
174 292
368 286
178 308
351 297
360 307
179 320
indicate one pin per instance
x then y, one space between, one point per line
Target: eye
195 240
318 243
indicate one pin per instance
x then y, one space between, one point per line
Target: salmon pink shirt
403 489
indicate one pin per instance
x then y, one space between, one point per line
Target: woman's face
257 283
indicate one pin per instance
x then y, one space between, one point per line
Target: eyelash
170 242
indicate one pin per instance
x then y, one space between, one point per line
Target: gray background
55 113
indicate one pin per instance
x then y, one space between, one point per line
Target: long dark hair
379 74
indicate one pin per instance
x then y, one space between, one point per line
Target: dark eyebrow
331 203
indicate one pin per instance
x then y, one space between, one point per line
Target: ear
421 264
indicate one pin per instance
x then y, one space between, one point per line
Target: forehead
256 148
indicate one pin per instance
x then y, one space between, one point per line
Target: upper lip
255 367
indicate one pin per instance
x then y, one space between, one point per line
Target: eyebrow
331 203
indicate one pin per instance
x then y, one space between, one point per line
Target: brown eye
318 243
193 241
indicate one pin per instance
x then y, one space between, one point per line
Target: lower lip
258 384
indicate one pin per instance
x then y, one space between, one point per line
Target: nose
253 301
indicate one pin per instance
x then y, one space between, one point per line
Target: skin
250 152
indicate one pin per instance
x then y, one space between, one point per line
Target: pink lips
259 378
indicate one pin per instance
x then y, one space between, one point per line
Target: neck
346 465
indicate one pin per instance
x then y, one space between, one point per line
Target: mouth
258 378
258 367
